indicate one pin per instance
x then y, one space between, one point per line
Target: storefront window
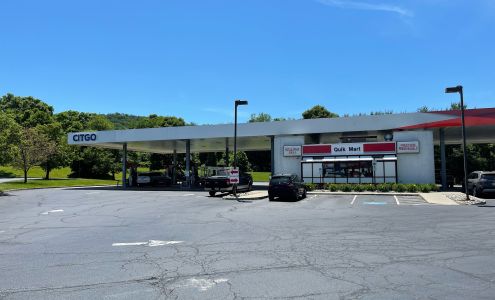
360 170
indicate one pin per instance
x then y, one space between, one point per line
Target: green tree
317 112
423 108
73 121
9 136
33 149
61 155
92 162
155 121
456 106
99 122
27 111
242 161
261 117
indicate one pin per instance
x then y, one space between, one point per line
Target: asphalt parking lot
107 244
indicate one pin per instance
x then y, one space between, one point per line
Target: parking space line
396 200
353 199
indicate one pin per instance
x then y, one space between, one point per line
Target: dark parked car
286 186
153 179
219 182
481 182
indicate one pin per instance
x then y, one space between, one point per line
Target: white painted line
150 243
186 195
2 231
129 244
91 193
52 211
203 284
396 200
353 199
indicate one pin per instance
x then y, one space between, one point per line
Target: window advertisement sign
408 147
292 150
234 176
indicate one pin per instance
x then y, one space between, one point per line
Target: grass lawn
261 176
35 172
36 183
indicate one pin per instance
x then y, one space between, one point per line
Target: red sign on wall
348 149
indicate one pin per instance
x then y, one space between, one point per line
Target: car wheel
212 193
476 193
296 196
271 198
304 194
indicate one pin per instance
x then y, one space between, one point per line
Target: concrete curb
363 193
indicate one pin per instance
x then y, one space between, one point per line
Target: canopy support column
124 166
188 163
443 163
272 155
226 152
174 169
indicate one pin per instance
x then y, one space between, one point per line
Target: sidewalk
252 195
437 198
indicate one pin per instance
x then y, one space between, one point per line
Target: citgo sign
84 137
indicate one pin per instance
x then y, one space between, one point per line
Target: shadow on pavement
157 189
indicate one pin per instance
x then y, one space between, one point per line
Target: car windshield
280 179
488 176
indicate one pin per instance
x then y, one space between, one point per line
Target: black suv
286 186
481 182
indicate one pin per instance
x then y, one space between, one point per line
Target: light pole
237 103
458 89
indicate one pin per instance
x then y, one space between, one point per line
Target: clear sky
193 58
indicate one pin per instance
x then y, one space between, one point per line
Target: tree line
31 134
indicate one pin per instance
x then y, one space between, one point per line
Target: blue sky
193 58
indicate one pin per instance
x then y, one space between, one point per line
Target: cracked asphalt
58 244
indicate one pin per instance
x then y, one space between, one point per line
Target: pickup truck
218 181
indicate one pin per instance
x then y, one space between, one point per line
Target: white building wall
287 164
416 167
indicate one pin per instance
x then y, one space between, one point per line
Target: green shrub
434 187
346 187
310 186
399 187
412 188
358 187
424 188
369 187
332 187
384 187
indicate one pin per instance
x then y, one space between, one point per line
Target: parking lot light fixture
459 89
237 103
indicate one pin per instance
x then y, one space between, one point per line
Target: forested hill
123 121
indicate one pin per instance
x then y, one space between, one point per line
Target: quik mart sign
349 149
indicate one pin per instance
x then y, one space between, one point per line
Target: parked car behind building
152 179
481 182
